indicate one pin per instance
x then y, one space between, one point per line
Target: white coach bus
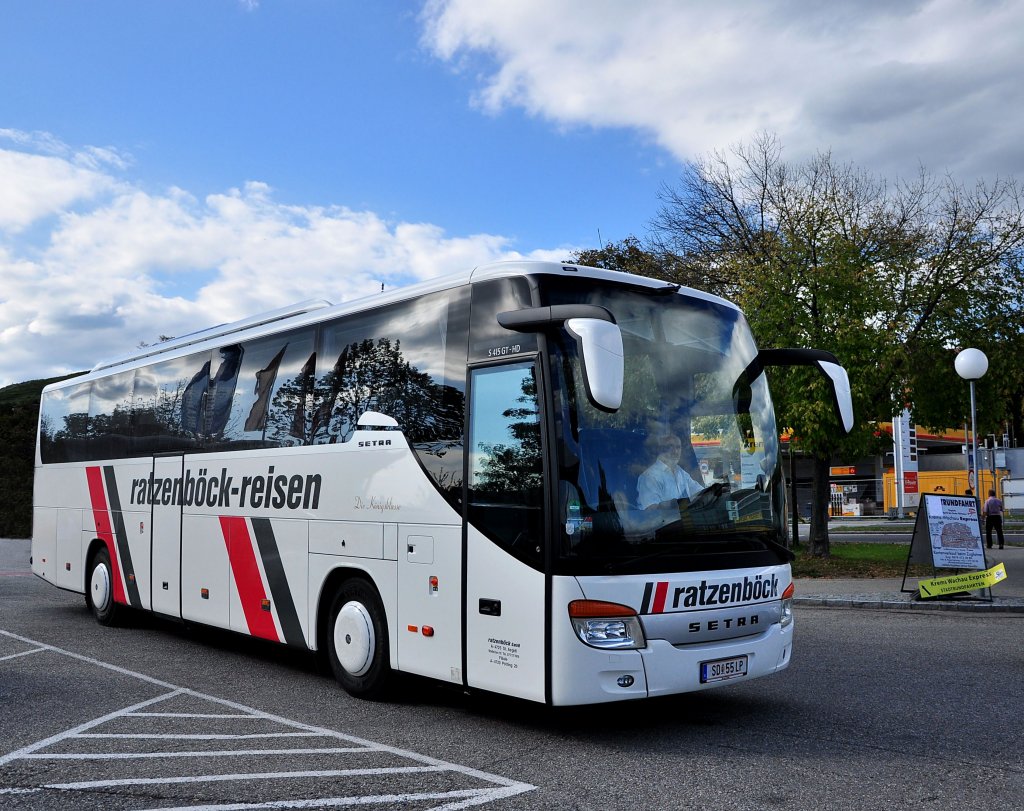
479 479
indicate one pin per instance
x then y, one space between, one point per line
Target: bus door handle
491 608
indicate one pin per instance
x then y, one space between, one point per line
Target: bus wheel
358 640
100 591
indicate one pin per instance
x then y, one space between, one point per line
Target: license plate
723 669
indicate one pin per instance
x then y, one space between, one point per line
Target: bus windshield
685 475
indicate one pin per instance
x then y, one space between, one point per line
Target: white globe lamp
971 364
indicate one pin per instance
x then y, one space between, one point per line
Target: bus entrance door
505 606
165 525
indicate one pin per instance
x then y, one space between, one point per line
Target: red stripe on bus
247 578
660 593
101 516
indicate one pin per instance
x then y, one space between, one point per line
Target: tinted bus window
228 360
169 402
506 471
64 424
263 393
406 361
110 410
490 340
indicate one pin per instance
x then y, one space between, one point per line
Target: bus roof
314 311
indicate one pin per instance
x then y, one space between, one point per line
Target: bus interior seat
611 461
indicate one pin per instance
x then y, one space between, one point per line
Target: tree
995 324
19 415
825 255
631 256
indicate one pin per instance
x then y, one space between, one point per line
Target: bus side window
64 425
506 471
408 361
110 409
262 394
490 340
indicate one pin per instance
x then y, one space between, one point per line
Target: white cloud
886 84
38 185
117 265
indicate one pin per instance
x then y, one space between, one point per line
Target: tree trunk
820 508
1016 409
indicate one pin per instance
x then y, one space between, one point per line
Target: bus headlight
606 625
787 605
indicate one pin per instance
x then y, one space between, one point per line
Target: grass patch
853 560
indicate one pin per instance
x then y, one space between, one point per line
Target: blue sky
168 165
325 102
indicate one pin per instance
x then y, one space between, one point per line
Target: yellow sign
971 581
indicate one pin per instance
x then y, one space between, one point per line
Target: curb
906 603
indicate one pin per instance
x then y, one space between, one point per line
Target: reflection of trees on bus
160 415
374 376
515 466
293 418
187 410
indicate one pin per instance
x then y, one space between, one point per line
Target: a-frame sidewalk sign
947 535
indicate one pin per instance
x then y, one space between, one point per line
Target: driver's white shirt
663 483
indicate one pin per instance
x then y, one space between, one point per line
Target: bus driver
665 482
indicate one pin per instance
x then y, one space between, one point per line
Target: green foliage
19 414
886 277
891 278
628 256
654 262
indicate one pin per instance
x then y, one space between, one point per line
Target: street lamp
971 364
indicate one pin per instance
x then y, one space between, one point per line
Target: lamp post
971 364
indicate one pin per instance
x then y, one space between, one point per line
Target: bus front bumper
590 676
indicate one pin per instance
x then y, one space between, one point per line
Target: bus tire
99 588
357 640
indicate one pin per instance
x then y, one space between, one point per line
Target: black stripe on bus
648 589
278 582
121 535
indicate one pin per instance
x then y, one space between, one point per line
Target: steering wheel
708 496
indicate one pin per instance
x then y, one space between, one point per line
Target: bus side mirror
824 362
597 336
840 391
602 356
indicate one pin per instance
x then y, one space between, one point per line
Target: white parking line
19 753
475 797
23 653
337 750
219 778
179 737
185 715
496 787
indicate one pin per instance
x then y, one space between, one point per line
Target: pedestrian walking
993 511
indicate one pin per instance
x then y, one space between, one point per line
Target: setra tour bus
543 480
